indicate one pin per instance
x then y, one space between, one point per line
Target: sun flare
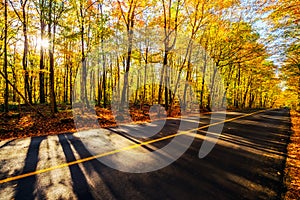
42 43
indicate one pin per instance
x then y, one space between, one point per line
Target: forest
181 54
125 99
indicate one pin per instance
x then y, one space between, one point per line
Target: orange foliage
292 171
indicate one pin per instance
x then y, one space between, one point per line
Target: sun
42 43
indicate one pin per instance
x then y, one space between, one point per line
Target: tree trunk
203 81
104 75
41 74
145 79
66 80
124 97
161 84
51 62
5 58
71 83
246 93
99 88
236 99
25 53
188 76
166 82
83 93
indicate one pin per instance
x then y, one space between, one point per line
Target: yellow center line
119 150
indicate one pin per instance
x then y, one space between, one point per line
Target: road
246 163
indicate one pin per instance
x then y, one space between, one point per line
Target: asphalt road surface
247 162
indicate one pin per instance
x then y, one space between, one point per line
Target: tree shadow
80 184
121 185
26 186
7 143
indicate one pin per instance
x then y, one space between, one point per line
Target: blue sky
253 13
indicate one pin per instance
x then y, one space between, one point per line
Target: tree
24 21
128 14
284 18
41 8
291 70
5 56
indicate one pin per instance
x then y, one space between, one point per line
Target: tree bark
42 67
203 81
25 54
5 58
83 88
51 61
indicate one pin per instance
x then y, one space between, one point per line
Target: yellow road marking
120 150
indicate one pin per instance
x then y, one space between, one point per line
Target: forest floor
292 169
27 123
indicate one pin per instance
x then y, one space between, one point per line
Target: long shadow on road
80 185
25 187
